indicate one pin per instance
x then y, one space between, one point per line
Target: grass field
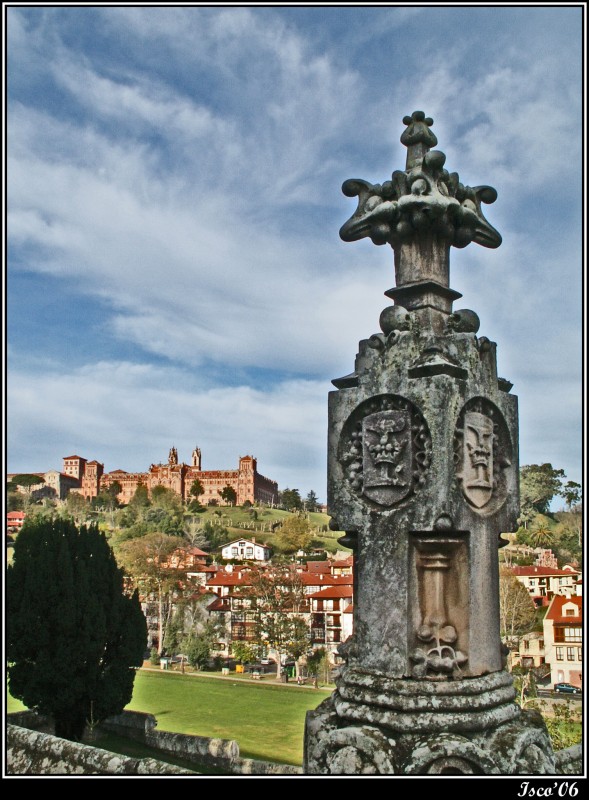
240 523
267 720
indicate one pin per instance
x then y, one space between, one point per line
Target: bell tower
196 458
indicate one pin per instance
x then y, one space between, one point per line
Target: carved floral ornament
385 449
482 454
423 198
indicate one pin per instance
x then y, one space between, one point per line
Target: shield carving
387 456
477 472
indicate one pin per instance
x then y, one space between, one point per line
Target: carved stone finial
422 211
417 137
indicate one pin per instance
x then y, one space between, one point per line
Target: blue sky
175 274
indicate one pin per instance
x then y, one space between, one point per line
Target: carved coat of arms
387 456
477 472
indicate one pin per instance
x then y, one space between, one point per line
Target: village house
15 520
246 550
327 617
543 583
563 639
530 651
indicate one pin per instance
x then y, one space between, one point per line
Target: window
234 551
526 644
571 653
560 653
579 656
541 644
572 635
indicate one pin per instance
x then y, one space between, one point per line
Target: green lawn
267 720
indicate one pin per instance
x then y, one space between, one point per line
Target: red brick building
246 481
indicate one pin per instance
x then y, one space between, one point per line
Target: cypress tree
73 636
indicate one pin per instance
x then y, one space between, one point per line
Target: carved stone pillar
423 476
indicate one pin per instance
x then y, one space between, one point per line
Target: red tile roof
541 572
349 609
319 566
317 578
196 551
333 591
219 604
226 579
15 515
555 609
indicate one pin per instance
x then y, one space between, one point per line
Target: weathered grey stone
32 753
423 477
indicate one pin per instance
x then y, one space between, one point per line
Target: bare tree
517 613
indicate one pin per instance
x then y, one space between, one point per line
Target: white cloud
124 413
193 188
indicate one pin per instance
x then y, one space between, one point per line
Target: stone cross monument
423 477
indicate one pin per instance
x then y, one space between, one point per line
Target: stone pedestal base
374 725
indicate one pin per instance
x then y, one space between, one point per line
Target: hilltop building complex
89 479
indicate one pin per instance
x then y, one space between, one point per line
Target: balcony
318 635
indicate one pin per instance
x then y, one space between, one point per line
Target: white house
246 550
544 582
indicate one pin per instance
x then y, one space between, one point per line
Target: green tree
105 501
140 498
294 534
196 489
539 484
148 561
27 481
572 494
77 505
229 495
311 501
198 649
162 497
15 500
215 535
290 500
163 520
73 634
564 725
540 532
243 652
114 489
318 665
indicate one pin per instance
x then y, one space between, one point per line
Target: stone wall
220 753
30 752
33 751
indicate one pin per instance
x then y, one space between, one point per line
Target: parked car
267 661
566 687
